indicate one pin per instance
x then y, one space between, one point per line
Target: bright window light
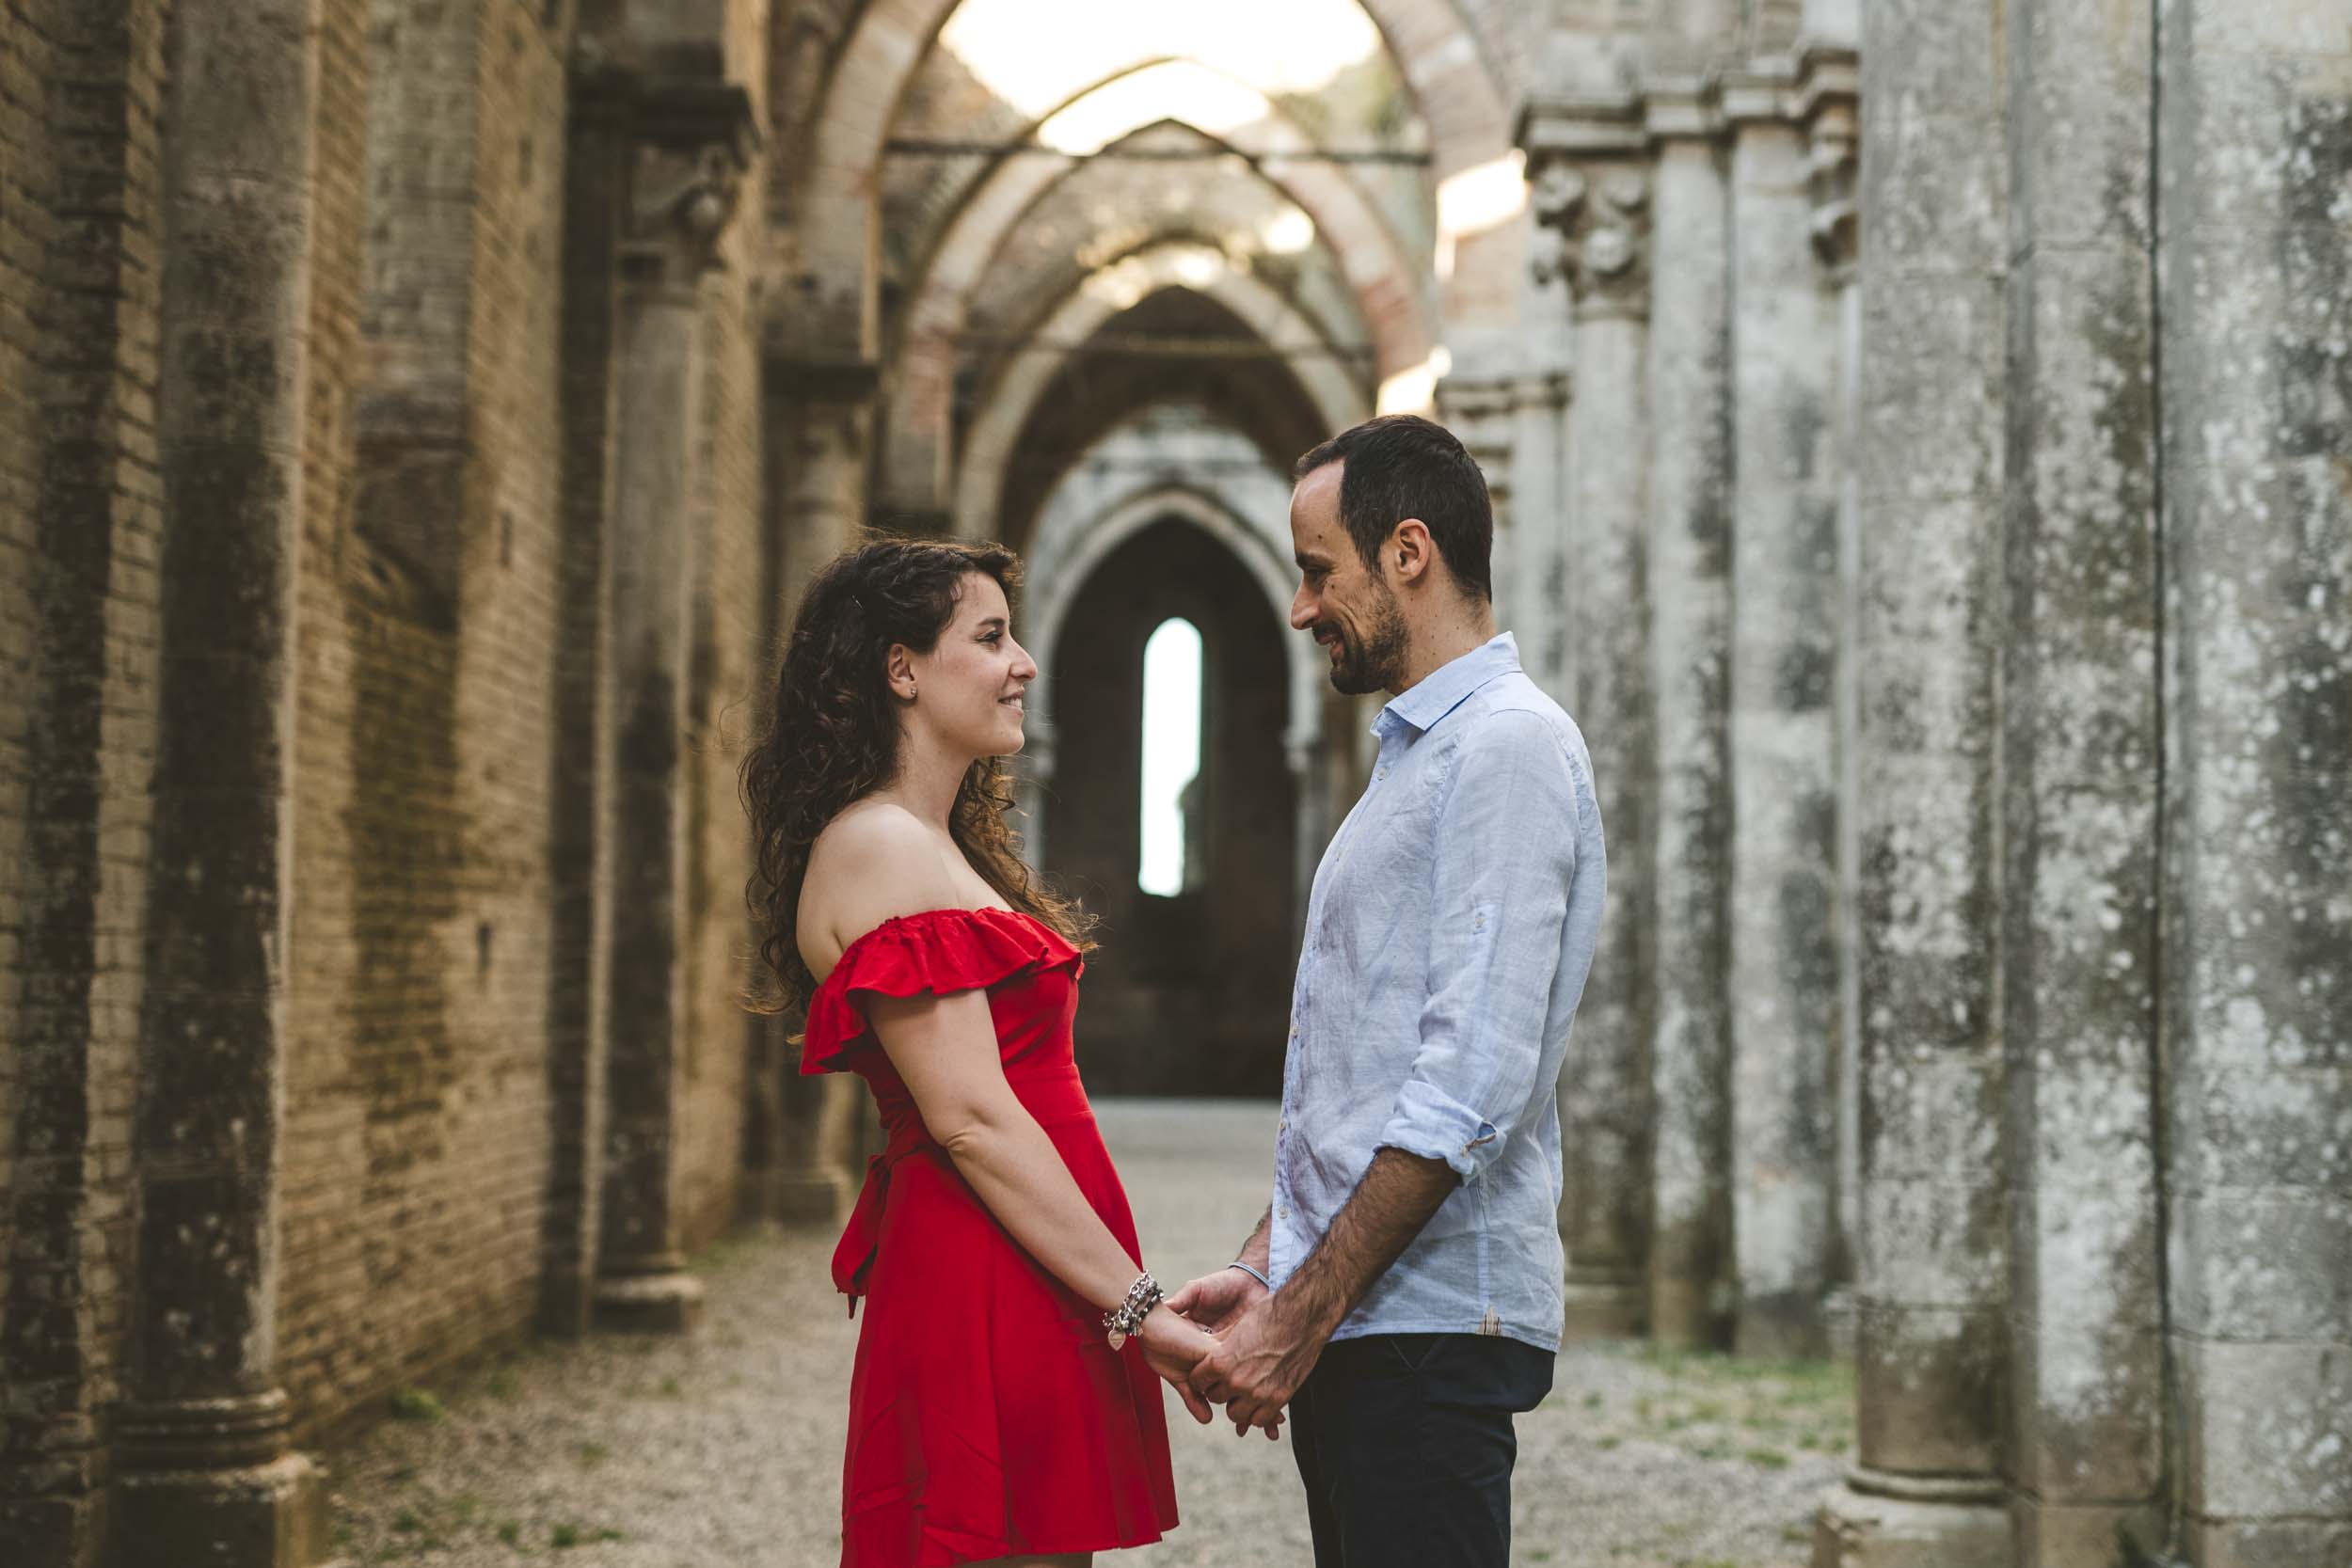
1173 89
1172 750
1037 54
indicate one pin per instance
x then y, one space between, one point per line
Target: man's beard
1377 663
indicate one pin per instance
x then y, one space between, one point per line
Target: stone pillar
2083 1455
1588 165
1925 1489
1784 957
819 419
204 1469
2254 142
1689 601
596 194
1835 160
693 142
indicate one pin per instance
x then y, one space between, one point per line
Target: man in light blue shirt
1403 1296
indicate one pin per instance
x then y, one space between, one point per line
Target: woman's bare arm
945 1047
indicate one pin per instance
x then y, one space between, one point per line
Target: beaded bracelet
1124 1320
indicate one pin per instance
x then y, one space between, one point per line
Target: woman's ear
899 669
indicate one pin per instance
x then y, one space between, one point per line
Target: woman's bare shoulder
873 863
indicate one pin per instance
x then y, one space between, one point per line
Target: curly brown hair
830 736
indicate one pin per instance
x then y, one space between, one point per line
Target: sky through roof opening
1037 54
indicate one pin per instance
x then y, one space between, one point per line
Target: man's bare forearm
1398 1195
1258 1252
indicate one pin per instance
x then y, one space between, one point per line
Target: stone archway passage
1392 296
1470 131
1338 400
1189 994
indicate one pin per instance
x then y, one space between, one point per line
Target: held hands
1257 1361
1172 1348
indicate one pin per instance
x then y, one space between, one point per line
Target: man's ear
1410 552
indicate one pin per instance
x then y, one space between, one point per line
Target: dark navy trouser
1405 1444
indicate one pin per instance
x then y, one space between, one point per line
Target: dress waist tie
1051 1096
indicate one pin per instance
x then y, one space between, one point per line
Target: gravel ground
722 1449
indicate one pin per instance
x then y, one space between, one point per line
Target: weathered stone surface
1690 589
1934 1259
1860 1529
1783 959
2080 735
2255 136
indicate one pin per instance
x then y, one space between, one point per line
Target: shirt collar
1444 689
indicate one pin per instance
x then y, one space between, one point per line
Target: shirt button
1285 1211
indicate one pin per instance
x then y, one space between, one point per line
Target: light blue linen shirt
1451 928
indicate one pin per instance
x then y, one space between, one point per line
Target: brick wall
80 515
417 1119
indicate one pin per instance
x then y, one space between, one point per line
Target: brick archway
1005 410
1380 272
835 316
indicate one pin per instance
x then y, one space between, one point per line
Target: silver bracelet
1253 1274
1124 1320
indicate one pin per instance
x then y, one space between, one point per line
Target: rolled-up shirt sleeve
1506 854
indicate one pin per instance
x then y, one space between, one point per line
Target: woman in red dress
1005 1407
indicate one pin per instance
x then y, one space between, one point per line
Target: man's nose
1302 610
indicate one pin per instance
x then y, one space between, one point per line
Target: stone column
2254 142
1690 600
820 419
1835 160
204 1471
1588 165
1784 959
595 196
1929 1330
693 142
2084 1456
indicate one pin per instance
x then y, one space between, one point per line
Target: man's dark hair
1402 466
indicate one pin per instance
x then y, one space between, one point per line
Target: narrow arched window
1171 752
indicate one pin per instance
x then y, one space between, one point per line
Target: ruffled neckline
955 948
946 915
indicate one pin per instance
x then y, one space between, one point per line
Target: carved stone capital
684 198
1834 158
1830 100
1594 231
692 143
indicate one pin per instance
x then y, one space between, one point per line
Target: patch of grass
670 1387
567 1534
590 1452
1605 1443
510 1532
1592 1400
416 1404
1770 1459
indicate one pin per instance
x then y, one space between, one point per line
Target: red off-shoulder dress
988 1414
